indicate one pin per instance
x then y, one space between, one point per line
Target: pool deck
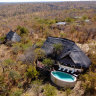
70 68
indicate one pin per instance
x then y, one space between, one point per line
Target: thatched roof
71 54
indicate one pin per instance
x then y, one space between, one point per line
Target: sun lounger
72 71
75 75
64 69
68 70
59 68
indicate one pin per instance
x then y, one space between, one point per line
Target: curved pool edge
62 83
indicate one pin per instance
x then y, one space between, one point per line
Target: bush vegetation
39 53
14 76
84 17
35 23
68 92
89 79
39 44
46 21
57 48
36 86
22 30
16 93
31 72
69 20
48 62
89 83
2 39
49 90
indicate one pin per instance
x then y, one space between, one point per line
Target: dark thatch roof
13 36
70 55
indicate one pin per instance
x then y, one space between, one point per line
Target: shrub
16 93
26 40
48 62
36 87
39 44
68 19
89 82
16 47
89 79
21 46
68 91
49 90
94 18
47 32
18 27
39 53
20 85
22 30
14 76
93 65
26 46
32 72
2 39
58 48
85 17
8 63
63 35
3 89
46 21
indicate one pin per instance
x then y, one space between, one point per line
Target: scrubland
34 23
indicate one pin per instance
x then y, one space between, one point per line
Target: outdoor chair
73 71
68 70
75 75
64 69
59 68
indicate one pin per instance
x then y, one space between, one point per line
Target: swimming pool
63 79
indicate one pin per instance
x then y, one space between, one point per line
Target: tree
39 53
48 62
22 30
49 90
14 76
32 72
58 48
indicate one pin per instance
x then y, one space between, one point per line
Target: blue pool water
63 76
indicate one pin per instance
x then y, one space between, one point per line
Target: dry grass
36 18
